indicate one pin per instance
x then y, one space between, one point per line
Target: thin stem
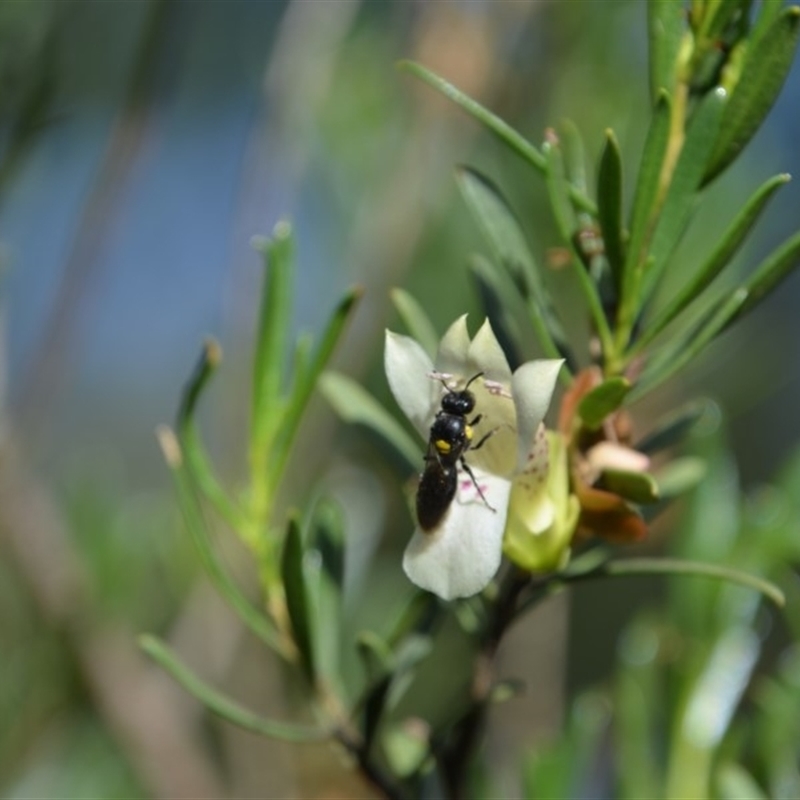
455 758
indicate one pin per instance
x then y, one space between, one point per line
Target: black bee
451 437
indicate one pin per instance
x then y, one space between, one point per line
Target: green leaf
678 205
223 706
568 226
354 404
609 207
685 349
719 258
324 573
638 487
510 248
297 596
196 525
497 126
665 28
274 324
734 782
644 201
375 654
630 567
673 428
574 156
197 462
772 270
307 381
766 66
416 320
603 400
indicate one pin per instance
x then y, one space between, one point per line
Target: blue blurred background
171 132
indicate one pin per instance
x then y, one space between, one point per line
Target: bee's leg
471 474
476 420
483 439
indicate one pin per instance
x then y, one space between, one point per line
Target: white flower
461 555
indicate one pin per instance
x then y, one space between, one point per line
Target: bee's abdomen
436 491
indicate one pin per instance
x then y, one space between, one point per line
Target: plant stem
455 759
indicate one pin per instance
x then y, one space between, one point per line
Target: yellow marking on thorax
468 432
442 446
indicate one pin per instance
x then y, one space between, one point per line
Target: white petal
463 554
486 355
452 354
407 368
532 385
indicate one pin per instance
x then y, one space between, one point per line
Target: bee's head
460 402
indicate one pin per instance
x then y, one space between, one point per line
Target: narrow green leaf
502 130
416 320
772 270
297 596
273 330
503 232
306 383
574 156
638 487
644 199
665 28
354 404
375 654
673 428
734 782
196 525
603 400
631 567
197 460
609 207
680 475
324 572
767 63
719 258
685 349
223 706
678 205
565 219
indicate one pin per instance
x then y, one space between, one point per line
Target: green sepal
767 63
665 28
416 320
298 603
678 205
354 404
603 400
609 207
719 258
637 487
223 706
